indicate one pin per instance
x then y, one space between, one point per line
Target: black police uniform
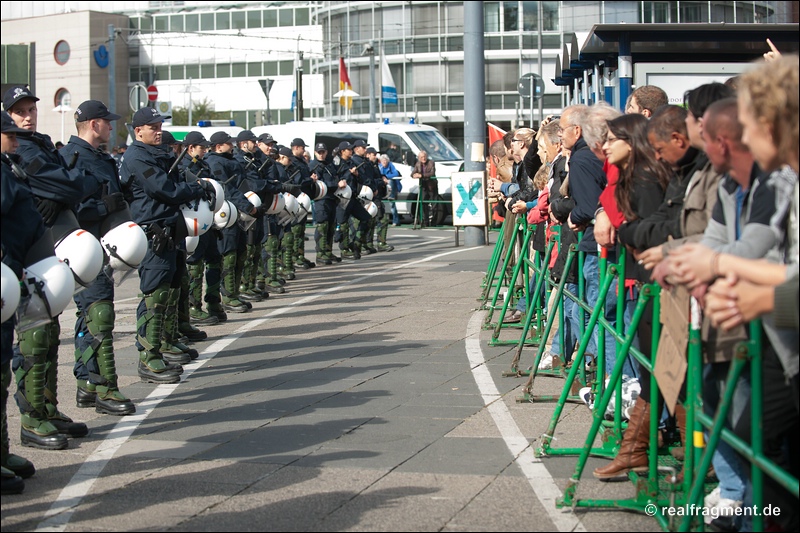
301 177
325 212
252 181
205 259
95 368
21 227
342 170
156 198
56 189
226 170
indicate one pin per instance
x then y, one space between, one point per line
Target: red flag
495 134
344 84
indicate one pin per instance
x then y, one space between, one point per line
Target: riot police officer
206 258
347 172
156 197
36 354
325 207
95 368
226 170
17 205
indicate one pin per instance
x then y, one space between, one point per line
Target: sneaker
514 317
587 396
383 247
723 515
713 497
547 361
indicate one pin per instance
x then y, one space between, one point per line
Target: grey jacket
763 223
698 205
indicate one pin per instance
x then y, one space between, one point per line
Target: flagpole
380 98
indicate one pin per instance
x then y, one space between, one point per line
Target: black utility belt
161 237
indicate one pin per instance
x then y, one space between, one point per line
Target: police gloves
114 202
208 189
291 188
49 209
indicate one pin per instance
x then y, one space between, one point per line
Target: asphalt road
366 398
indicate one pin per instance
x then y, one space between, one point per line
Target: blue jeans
570 327
630 306
592 277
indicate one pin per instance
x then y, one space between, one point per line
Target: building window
162 73
270 18
510 16
176 72
193 71
254 69
254 19
192 22
286 17
238 20
530 16
63 98
176 23
491 17
223 21
239 70
455 18
502 76
285 68
301 17
207 71
207 22
61 52
224 70
427 78
162 23
270 68
694 12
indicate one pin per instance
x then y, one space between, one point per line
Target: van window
395 147
437 146
331 139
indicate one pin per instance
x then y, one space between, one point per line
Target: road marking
532 468
70 497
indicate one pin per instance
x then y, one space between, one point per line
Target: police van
401 142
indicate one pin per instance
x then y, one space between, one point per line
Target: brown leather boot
632 453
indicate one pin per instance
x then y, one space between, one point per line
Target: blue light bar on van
386 120
215 123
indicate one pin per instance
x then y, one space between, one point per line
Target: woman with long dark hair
640 191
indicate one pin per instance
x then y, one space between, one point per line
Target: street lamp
190 89
63 109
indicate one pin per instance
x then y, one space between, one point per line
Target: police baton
175 164
73 161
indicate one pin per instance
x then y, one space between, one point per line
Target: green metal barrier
519 231
491 279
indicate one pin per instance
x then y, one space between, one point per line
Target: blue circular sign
101 56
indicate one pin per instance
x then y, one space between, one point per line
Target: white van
206 127
402 142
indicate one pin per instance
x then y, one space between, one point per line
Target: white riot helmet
78 248
198 216
82 252
344 194
253 198
10 292
191 244
303 206
219 194
226 216
371 208
50 284
365 195
321 190
276 204
125 246
290 210
246 220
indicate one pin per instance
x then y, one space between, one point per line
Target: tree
203 110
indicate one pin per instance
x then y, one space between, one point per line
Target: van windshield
437 146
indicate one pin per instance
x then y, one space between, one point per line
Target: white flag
388 88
